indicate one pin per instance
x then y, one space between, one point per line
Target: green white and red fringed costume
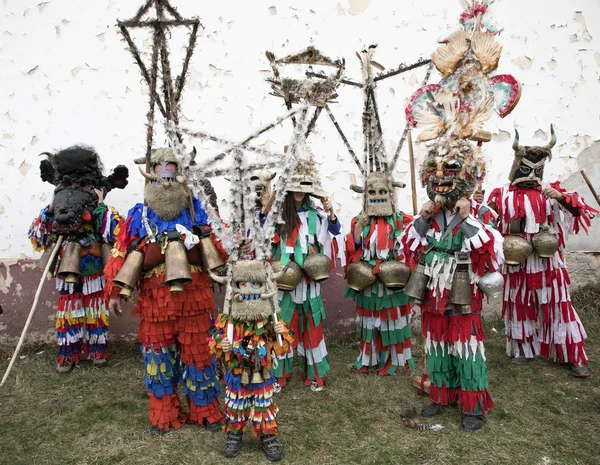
538 315
253 346
82 314
302 309
174 327
454 341
382 314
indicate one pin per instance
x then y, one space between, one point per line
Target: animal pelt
167 200
249 270
412 420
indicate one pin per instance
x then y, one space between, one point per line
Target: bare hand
327 205
246 248
115 306
278 327
100 194
225 345
478 196
463 207
552 193
427 210
363 221
264 196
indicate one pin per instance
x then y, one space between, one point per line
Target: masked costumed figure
306 246
376 275
164 248
78 213
250 355
535 217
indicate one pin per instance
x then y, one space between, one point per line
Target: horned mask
378 194
528 167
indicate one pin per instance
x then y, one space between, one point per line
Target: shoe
233 445
472 422
520 360
156 431
431 410
314 387
276 387
216 426
271 447
579 371
65 368
99 363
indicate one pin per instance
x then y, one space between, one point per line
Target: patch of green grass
541 416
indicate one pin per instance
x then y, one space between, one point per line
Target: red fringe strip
469 401
439 305
443 395
210 413
166 412
451 329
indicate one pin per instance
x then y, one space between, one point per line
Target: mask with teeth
378 195
252 298
452 170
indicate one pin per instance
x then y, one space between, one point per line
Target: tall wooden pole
413 177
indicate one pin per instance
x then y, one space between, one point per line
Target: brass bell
545 243
491 284
291 278
128 275
256 378
69 264
317 266
210 255
460 293
177 269
266 373
394 274
417 283
516 249
360 276
106 252
245 378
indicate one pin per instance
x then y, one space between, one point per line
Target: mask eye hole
382 192
372 192
539 171
452 166
524 169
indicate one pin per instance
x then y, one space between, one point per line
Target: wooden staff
32 311
587 181
413 181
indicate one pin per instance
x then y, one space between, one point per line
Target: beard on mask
166 201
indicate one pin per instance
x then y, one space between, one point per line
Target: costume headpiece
528 167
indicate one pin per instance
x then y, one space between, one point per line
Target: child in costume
307 231
78 213
535 217
376 274
159 240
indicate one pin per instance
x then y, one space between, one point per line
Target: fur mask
528 167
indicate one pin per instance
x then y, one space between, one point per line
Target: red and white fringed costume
538 314
454 341
174 327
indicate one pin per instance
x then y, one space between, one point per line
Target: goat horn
271 176
48 154
94 156
358 189
150 177
268 296
399 184
238 297
516 141
140 161
218 279
552 138
193 153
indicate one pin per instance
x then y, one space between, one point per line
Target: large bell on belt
491 284
317 266
69 264
394 274
516 249
417 284
43 261
360 275
545 243
128 275
256 377
177 268
291 278
105 252
211 258
460 294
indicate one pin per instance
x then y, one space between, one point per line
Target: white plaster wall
66 77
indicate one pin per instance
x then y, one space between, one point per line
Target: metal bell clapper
129 274
177 268
460 294
69 264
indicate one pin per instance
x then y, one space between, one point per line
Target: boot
472 422
271 447
64 368
233 445
431 410
216 426
99 363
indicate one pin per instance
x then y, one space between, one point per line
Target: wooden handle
413 178
587 181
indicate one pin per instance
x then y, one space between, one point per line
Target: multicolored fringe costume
383 314
174 327
536 306
454 341
82 315
253 346
302 308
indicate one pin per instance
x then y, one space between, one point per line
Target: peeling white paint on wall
66 77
